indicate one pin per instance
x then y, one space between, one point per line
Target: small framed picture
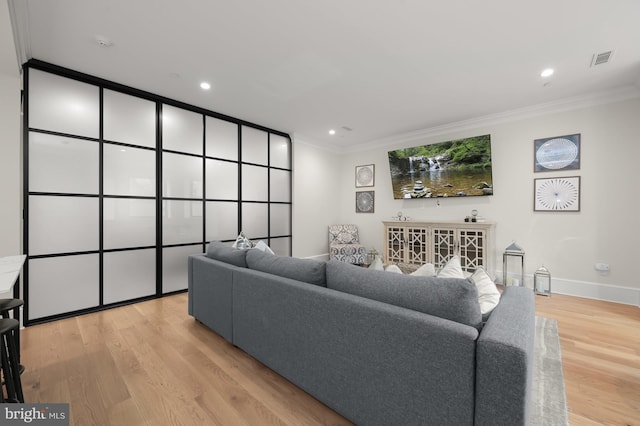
365 175
556 194
557 153
365 201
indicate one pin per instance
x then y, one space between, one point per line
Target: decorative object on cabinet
542 281
557 194
344 244
419 243
513 265
557 153
365 201
365 175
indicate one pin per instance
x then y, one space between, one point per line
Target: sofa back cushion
306 270
219 251
455 299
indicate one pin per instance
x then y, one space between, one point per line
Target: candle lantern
371 256
542 281
513 265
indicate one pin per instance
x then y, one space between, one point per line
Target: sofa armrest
210 293
504 360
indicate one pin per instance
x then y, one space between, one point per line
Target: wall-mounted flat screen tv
458 168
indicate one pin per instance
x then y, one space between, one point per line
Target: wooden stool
9 366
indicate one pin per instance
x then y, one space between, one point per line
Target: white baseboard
324 256
607 292
589 290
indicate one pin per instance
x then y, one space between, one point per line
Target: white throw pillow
377 264
261 245
394 268
426 270
488 294
452 269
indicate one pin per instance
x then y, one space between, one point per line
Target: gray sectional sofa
377 347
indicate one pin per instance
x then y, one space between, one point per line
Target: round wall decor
365 201
557 194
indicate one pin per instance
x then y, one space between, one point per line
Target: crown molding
567 104
19 16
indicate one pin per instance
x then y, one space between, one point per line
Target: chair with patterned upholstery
344 244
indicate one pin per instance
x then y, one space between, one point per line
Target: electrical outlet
602 267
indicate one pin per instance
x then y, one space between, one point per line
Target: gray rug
549 405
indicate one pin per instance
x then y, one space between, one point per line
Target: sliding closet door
182 183
63 182
121 186
129 204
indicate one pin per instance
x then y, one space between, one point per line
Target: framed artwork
556 194
365 201
557 153
365 175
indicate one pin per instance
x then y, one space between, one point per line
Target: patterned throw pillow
242 242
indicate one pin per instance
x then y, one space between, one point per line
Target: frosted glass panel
255 183
129 119
181 130
63 105
182 222
254 145
255 220
281 246
174 267
280 219
62 224
129 275
63 284
182 176
222 180
222 139
280 152
222 221
129 171
280 186
129 223
59 164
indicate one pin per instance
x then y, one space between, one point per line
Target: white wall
10 165
316 197
568 244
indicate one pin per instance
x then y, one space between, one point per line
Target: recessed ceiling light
548 72
332 132
205 86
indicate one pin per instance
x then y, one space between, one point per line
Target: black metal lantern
542 281
513 265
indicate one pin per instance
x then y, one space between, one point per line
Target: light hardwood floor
151 364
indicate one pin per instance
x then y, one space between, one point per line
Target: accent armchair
344 244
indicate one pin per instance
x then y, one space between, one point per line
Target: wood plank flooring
152 364
600 344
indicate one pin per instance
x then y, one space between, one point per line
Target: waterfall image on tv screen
458 168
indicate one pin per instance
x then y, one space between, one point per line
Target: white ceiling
379 67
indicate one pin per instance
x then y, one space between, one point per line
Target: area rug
549 402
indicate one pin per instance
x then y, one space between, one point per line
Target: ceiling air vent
601 58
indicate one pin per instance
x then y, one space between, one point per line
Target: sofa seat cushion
219 251
306 270
455 299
